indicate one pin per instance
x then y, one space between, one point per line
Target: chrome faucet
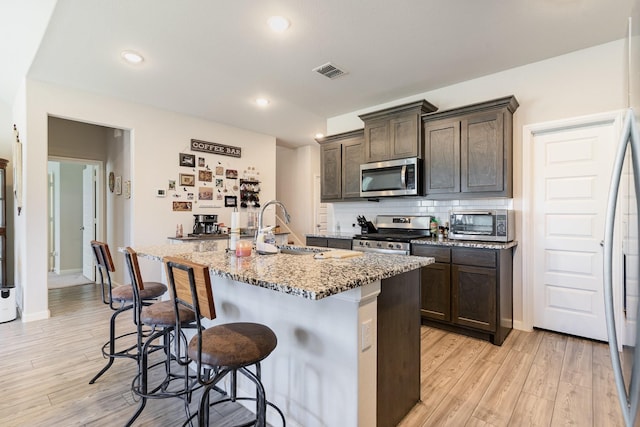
287 217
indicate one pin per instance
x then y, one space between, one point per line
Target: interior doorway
74 219
569 165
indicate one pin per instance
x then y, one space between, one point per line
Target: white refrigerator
624 187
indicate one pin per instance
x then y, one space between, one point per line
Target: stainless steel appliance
393 234
497 225
391 178
204 224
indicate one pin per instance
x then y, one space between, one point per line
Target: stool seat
162 314
151 290
234 345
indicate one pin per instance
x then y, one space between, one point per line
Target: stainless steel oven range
394 232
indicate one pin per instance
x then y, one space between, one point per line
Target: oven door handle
382 251
403 177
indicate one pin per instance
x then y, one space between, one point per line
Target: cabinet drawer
439 253
317 241
476 257
339 243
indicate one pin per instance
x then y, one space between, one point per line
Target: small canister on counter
243 248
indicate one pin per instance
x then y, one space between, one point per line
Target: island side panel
398 347
318 375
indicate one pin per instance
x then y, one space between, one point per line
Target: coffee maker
205 224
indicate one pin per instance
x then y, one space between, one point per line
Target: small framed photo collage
199 180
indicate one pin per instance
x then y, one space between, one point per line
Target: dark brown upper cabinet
340 159
468 150
394 133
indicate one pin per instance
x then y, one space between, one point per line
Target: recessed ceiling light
262 102
132 57
319 135
278 23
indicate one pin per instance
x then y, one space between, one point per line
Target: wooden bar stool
161 319
222 349
119 299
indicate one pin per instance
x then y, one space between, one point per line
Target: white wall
296 168
583 82
156 138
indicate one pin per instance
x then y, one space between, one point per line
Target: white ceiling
212 58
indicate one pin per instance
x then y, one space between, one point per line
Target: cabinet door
474 297
482 153
352 157
435 292
376 141
317 241
331 181
442 157
404 136
339 243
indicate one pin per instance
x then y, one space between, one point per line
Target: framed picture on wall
188 160
230 201
205 193
187 180
182 206
205 176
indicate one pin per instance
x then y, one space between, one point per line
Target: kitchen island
339 323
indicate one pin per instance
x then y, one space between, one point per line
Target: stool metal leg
112 343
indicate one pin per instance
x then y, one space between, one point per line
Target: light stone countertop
465 243
333 235
299 275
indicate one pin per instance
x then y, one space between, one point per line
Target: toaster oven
496 225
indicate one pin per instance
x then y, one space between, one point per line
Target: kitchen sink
299 250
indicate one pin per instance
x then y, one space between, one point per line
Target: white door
571 175
88 220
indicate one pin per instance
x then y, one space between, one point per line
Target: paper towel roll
235 222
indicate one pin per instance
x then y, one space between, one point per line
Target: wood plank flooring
533 379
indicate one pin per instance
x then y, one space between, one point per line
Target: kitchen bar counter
300 274
348 330
218 236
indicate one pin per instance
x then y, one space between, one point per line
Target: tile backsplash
341 217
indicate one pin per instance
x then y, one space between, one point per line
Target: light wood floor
533 379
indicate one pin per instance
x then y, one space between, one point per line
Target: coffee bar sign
213 148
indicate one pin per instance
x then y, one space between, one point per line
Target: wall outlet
366 334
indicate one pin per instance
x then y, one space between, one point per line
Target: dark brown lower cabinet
329 242
398 388
468 290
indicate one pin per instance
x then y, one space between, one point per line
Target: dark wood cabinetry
394 133
468 290
468 150
398 327
329 242
340 159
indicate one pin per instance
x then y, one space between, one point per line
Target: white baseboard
519 325
70 271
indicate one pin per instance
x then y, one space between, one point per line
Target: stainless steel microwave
496 225
390 178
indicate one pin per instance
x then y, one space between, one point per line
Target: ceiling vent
330 70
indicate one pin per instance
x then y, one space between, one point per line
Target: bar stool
120 300
161 319
222 349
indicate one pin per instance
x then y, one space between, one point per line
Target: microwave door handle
472 213
403 177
